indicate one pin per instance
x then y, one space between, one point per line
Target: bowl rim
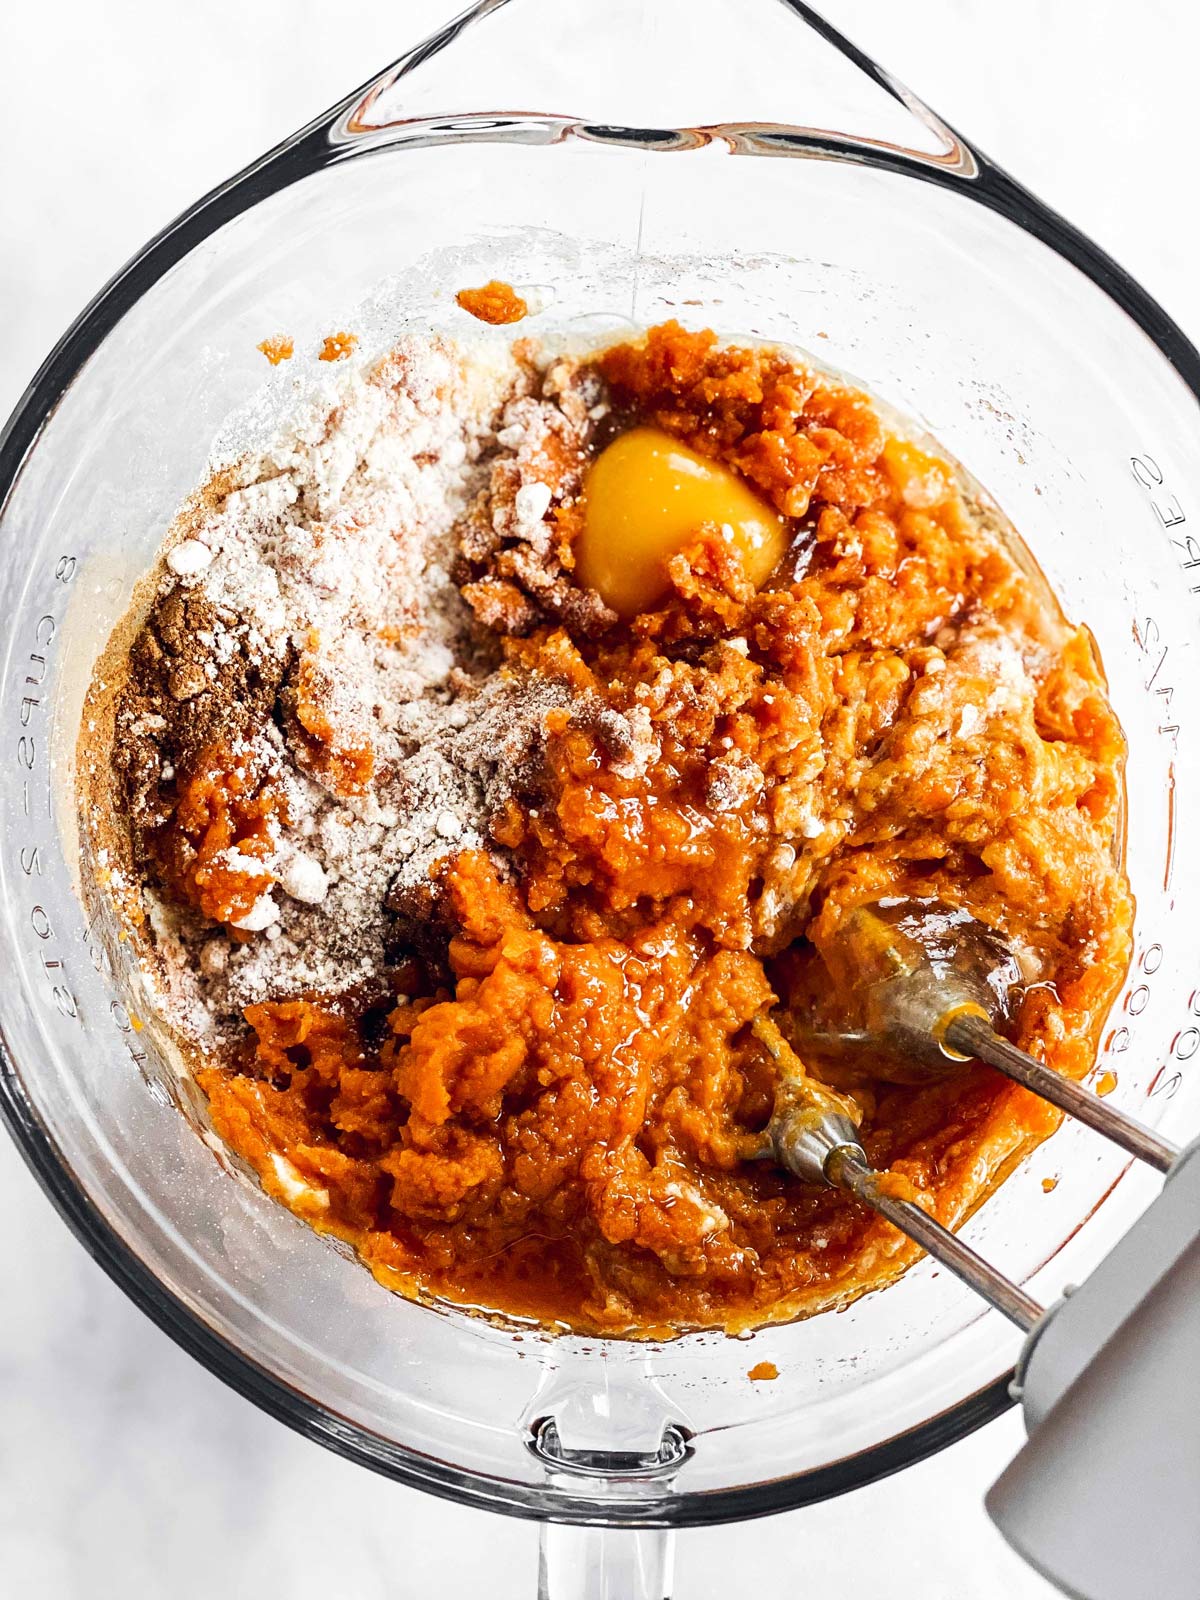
321 144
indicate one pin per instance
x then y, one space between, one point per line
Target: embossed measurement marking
1148 637
1147 634
1160 682
1165 504
31 756
1137 998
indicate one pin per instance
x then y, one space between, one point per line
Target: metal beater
1109 1377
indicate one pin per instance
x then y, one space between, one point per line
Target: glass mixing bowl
672 177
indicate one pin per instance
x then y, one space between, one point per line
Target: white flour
337 542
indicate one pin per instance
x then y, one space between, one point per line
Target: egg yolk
645 497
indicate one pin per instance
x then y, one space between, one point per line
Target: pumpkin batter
827 680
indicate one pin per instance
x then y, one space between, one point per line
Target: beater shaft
847 1168
970 1035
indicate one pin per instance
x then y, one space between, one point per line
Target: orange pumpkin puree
224 806
495 302
279 347
337 346
549 1125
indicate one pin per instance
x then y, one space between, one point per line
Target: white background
125 1470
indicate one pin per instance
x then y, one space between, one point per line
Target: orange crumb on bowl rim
279 347
337 346
495 302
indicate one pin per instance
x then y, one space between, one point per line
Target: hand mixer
1109 1378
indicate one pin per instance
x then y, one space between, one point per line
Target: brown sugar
757 411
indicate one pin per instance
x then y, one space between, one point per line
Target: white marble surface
125 1470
